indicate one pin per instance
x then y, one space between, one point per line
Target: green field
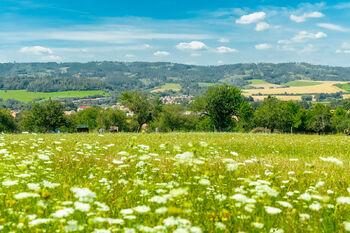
344 86
206 84
257 82
24 96
168 86
179 182
299 83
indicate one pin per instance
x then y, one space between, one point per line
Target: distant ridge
148 76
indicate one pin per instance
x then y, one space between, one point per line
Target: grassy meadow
167 87
24 96
179 182
301 83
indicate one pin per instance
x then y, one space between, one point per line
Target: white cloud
196 54
304 35
286 48
308 49
345 45
223 40
345 48
342 6
129 55
284 42
264 26
51 58
223 49
346 51
125 36
302 18
36 50
191 46
161 53
263 46
220 62
146 46
251 18
332 27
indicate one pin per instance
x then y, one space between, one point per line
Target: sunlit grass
24 96
183 182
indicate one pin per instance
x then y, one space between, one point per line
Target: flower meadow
179 182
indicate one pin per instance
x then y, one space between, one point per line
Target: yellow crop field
266 86
280 97
325 87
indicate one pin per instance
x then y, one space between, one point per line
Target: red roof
83 107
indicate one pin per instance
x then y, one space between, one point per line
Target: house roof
84 107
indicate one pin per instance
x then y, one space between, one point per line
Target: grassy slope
206 84
168 86
257 81
345 87
25 96
299 83
129 179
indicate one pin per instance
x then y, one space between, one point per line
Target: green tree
275 114
45 117
319 119
88 117
224 105
173 118
7 122
140 105
340 120
111 117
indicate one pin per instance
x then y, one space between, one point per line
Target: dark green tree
45 117
173 118
319 119
225 105
7 122
111 117
276 114
140 105
340 120
88 117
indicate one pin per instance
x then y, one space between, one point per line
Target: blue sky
192 32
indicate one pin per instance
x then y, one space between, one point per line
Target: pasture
301 83
24 96
179 182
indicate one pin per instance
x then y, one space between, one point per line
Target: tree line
122 76
221 108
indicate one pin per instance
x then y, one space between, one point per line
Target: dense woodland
122 76
221 108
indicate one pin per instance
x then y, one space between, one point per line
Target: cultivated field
296 87
193 182
167 87
24 96
280 97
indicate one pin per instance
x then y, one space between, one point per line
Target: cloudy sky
202 32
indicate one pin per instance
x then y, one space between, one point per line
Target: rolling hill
159 77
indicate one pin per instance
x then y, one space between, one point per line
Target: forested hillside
120 76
